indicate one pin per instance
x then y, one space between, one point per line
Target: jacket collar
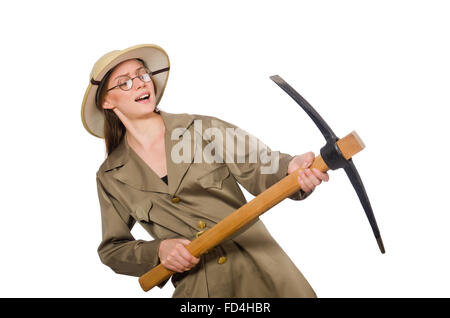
125 164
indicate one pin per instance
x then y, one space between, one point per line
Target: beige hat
157 61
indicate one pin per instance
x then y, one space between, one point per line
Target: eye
146 77
144 74
125 83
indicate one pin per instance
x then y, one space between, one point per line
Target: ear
107 103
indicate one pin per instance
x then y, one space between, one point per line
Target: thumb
308 158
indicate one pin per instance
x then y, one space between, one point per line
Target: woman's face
127 102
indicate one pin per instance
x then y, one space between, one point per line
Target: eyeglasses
125 83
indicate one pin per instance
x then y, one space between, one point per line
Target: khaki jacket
198 195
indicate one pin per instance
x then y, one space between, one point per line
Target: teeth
143 96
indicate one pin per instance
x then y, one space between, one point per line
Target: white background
381 68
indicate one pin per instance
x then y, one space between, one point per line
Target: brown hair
113 128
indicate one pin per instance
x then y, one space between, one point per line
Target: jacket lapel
183 125
126 165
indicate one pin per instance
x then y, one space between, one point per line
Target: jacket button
197 235
201 225
175 200
222 260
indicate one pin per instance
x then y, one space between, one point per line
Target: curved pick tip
380 244
275 78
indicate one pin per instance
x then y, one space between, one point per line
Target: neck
142 133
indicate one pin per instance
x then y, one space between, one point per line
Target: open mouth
142 98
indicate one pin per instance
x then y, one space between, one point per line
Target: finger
183 264
309 157
312 178
192 261
303 161
306 163
185 253
175 259
307 182
321 175
173 265
189 265
177 269
303 185
186 256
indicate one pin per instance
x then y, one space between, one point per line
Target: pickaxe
336 153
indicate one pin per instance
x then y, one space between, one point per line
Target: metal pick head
332 156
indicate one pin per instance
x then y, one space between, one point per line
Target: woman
154 175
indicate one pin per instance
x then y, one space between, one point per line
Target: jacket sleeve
118 248
256 167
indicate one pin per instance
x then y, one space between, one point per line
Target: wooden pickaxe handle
349 146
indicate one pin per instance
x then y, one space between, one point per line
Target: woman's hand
307 178
174 256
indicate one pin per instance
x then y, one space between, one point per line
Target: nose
138 83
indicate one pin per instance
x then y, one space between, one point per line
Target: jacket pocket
143 210
214 179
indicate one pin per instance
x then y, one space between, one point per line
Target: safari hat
155 58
